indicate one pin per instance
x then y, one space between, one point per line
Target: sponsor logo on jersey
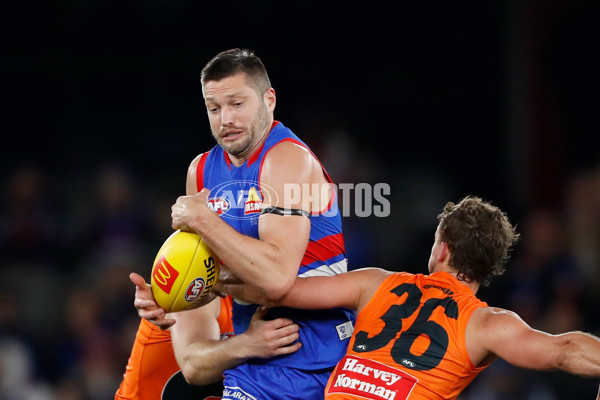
234 392
370 379
240 199
164 274
253 203
194 289
443 289
219 205
344 330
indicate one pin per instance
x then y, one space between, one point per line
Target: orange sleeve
224 319
151 364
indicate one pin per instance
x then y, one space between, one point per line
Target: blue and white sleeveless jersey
236 197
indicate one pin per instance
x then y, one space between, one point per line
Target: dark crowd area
103 113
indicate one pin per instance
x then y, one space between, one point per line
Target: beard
258 127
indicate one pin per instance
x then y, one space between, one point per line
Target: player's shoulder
192 173
290 160
193 167
369 276
287 151
490 319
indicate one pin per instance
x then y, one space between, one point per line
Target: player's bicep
195 325
288 233
512 339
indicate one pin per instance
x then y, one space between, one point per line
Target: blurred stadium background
103 113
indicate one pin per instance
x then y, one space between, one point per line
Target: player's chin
235 146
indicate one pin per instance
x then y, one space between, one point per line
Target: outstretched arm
505 334
351 290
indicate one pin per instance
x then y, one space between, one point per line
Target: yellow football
185 271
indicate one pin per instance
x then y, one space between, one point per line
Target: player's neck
474 286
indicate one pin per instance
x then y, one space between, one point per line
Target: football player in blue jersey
268 208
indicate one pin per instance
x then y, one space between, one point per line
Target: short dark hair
479 237
231 62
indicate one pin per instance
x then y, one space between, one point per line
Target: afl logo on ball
194 290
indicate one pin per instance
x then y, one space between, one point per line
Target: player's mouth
232 134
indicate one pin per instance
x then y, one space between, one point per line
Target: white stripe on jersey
328 270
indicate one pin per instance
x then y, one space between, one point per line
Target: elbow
190 374
190 378
274 295
194 374
572 355
562 359
196 378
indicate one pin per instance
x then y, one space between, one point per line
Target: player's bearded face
253 132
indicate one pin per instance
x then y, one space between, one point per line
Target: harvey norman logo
370 379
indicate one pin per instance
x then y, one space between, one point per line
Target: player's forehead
237 85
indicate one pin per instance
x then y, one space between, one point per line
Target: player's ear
270 99
444 253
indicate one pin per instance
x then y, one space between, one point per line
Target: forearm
204 362
306 293
256 262
580 354
245 292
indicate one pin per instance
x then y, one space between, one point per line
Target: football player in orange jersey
153 372
428 336
187 360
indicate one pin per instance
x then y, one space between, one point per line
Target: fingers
186 208
287 342
137 280
281 327
282 332
164 323
177 213
272 338
287 349
148 310
203 194
144 304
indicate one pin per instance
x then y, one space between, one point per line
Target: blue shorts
272 382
